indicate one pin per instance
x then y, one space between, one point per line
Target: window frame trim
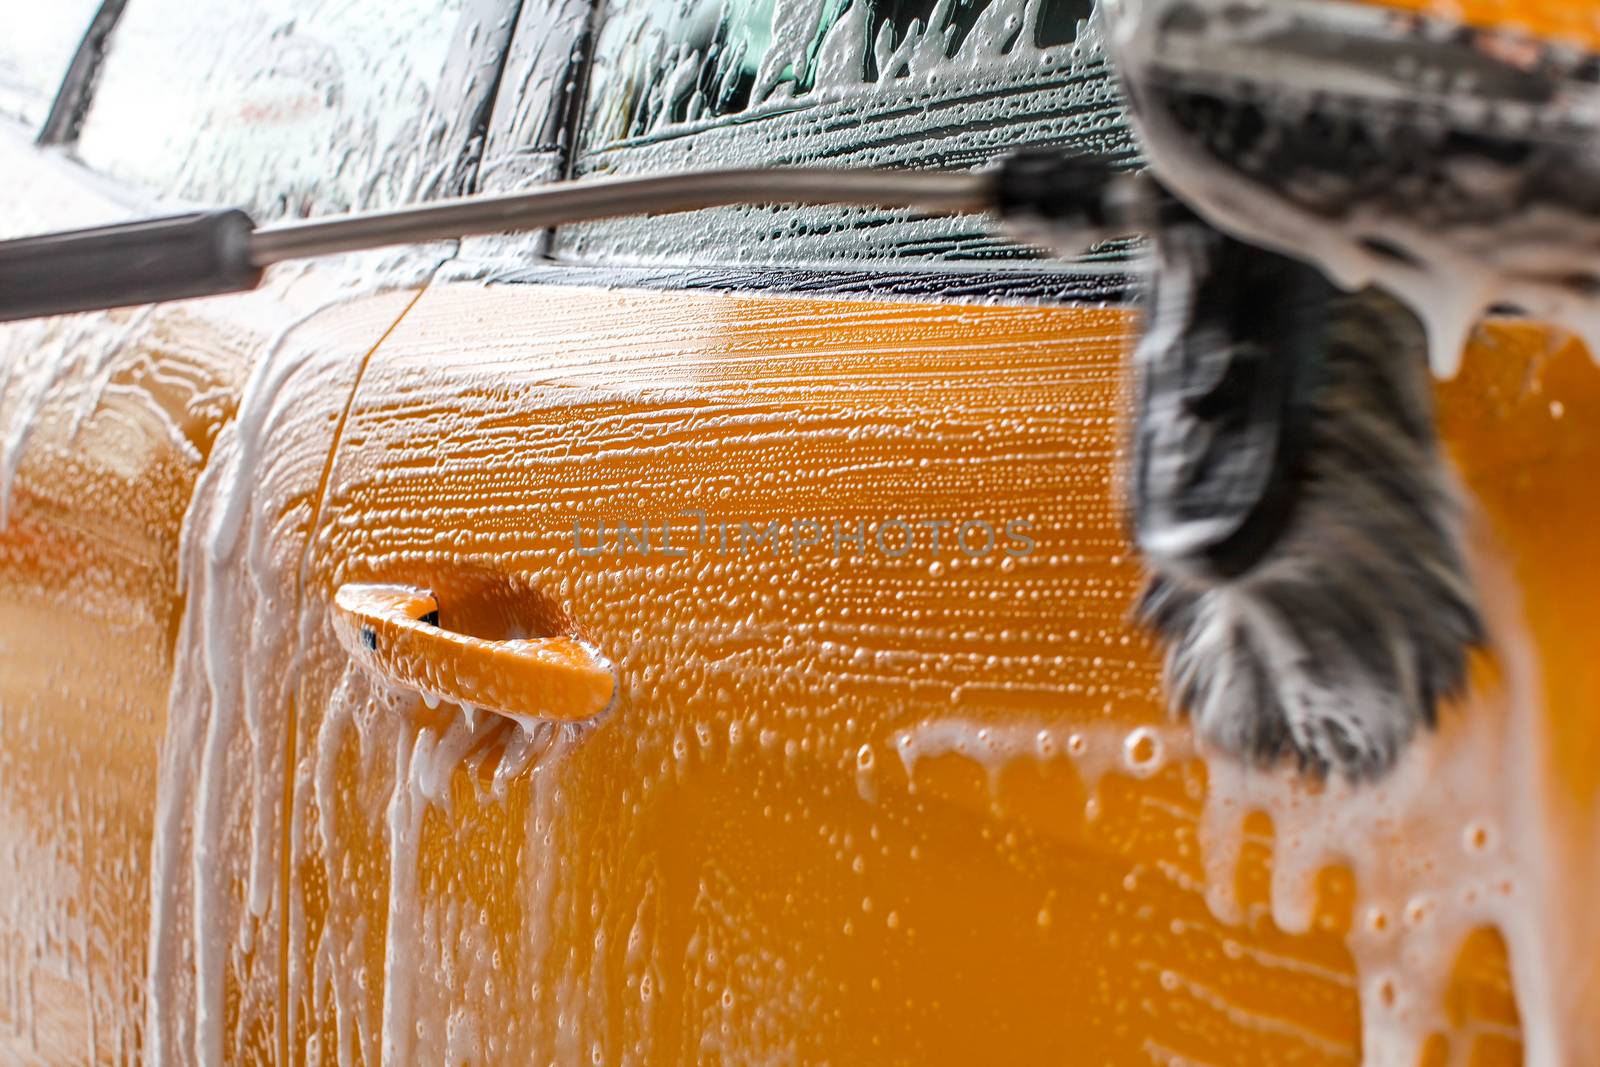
75 93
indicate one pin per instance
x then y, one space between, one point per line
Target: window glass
290 107
930 83
528 134
668 62
37 42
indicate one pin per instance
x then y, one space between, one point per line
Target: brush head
1227 364
1300 528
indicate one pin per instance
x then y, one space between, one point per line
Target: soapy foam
1455 839
222 731
921 95
409 769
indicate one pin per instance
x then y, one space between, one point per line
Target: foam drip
223 759
411 764
1455 839
1094 750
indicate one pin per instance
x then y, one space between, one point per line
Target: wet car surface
889 776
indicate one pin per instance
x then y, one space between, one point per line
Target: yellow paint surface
737 860
1573 21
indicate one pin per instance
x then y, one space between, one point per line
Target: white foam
1457 838
223 757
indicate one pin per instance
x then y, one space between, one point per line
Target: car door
889 776
152 459
860 799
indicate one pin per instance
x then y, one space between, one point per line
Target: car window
297 107
36 46
676 84
528 139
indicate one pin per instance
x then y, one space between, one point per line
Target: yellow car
703 638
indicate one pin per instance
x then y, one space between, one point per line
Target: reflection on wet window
291 107
665 62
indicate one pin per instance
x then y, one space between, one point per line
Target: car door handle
393 631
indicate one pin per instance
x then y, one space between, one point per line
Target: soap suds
223 760
1456 838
